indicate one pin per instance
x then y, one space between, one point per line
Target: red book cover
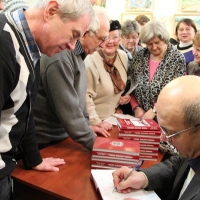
114 145
140 132
113 163
139 137
114 155
140 124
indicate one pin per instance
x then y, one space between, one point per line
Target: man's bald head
182 97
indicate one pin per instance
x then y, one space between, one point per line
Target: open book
103 181
113 118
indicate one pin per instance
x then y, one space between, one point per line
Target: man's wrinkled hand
49 164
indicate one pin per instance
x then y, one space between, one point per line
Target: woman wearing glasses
130 38
152 68
106 72
185 32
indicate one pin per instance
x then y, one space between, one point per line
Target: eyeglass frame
128 39
177 133
113 38
101 39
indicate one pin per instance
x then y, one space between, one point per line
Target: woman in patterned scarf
152 68
106 72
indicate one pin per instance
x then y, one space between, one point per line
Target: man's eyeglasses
101 39
172 135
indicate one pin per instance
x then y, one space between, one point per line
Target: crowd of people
64 68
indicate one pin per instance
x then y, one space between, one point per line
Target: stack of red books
147 132
111 153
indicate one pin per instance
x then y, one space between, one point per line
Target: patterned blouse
171 66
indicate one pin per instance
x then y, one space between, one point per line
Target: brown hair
142 19
187 21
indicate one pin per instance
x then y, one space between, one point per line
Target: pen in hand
137 166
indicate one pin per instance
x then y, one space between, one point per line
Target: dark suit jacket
167 179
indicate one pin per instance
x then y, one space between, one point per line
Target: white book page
113 118
104 181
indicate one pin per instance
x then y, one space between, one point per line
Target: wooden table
71 182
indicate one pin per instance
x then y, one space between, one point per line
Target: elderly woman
106 72
130 38
153 67
185 32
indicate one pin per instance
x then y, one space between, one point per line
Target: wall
163 10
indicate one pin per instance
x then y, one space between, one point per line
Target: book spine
112 164
148 133
148 150
115 158
115 155
140 128
139 138
151 159
103 167
144 144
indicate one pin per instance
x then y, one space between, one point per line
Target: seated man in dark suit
178 113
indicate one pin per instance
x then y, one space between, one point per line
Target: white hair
100 14
69 9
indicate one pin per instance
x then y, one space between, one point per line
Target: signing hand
100 131
135 181
49 164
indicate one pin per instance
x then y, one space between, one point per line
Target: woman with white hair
153 67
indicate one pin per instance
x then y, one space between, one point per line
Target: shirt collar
194 163
22 25
78 48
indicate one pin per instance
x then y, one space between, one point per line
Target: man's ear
51 9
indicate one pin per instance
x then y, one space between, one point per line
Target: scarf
109 66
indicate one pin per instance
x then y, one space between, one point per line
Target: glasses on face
172 135
130 38
101 39
114 38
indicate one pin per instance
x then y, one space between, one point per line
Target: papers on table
104 182
113 118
